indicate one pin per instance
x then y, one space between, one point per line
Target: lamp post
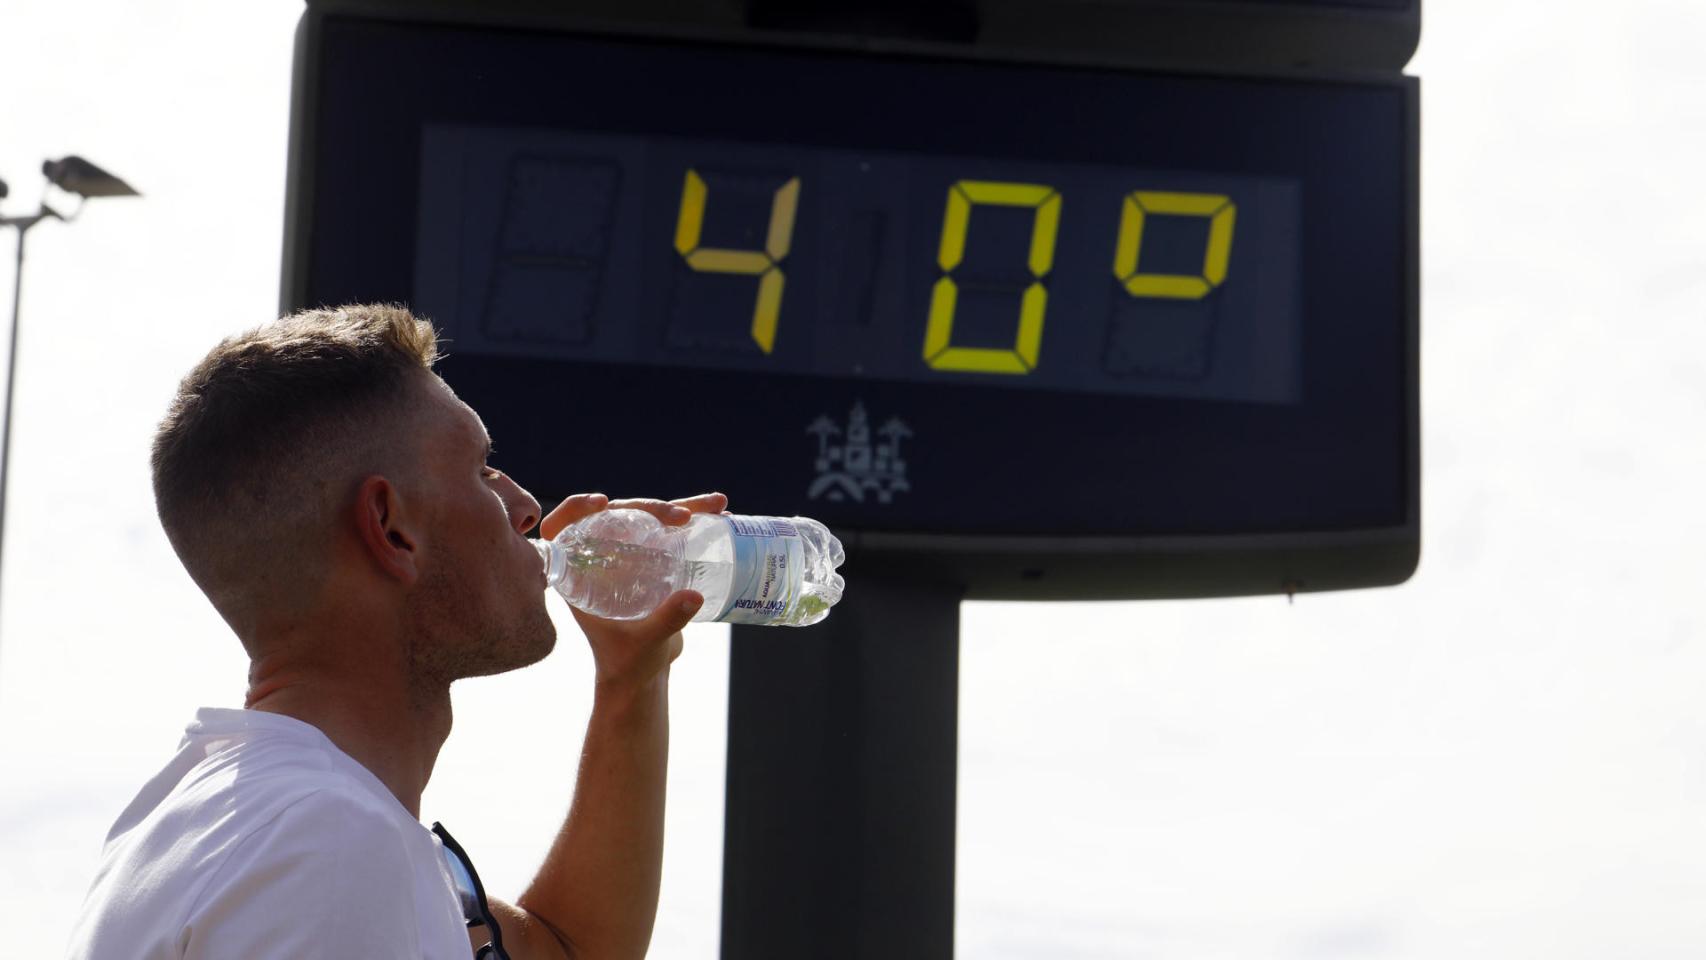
77 176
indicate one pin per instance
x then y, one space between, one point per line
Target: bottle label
770 568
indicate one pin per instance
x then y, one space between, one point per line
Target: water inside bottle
622 580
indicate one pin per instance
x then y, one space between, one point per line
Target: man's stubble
455 635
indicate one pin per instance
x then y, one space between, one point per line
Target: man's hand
596 894
673 512
629 654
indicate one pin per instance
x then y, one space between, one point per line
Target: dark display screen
867 265
937 296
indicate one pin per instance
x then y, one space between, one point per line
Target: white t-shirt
263 840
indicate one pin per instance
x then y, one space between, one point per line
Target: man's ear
386 529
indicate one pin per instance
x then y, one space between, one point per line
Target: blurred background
1504 757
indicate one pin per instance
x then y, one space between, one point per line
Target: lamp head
74 174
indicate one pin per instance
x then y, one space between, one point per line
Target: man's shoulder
332 854
251 803
326 827
273 793
245 828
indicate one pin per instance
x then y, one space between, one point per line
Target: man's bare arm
597 891
526 937
596 894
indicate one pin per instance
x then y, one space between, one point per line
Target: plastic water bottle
622 564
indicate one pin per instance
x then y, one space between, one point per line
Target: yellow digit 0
765 264
939 351
1221 213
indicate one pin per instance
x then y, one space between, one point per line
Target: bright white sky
1505 757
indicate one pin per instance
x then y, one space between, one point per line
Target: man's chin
541 636
524 649
542 646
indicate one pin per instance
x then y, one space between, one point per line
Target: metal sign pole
839 817
23 224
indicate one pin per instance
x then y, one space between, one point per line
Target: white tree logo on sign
850 470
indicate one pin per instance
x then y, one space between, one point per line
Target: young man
333 499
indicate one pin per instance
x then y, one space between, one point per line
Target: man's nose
523 509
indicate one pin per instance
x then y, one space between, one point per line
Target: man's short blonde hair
268 435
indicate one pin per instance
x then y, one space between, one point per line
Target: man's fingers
671 615
574 508
675 613
583 505
704 503
675 511
663 510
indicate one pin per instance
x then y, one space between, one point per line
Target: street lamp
77 176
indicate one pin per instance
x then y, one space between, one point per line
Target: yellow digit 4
765 264
939 352
1221 213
